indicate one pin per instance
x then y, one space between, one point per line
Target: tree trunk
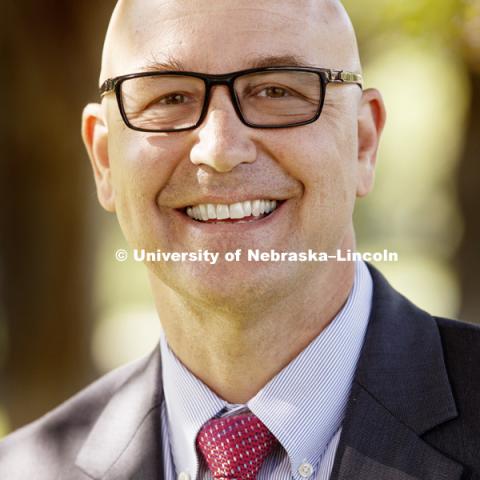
47 197
469 195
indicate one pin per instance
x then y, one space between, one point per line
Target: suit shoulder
41 449
461 349
461 340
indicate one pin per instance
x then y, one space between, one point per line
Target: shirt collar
303 405
189 404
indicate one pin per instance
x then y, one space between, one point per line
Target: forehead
220 36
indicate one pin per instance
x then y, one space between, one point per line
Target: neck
237 353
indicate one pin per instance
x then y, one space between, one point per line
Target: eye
173 99
274 92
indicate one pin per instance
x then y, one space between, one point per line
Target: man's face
313 170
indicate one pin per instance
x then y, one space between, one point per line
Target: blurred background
69 312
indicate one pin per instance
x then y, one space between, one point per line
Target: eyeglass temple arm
108 86
340 76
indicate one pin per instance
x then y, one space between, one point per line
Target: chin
231 286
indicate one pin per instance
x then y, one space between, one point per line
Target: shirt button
183 476
305 470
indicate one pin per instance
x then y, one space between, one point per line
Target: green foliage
438 18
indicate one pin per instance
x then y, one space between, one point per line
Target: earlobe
371 121
95 138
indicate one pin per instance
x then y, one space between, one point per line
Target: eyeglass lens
174 102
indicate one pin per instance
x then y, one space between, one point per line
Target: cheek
141 166
143 163
323 159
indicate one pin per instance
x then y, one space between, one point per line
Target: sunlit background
78 303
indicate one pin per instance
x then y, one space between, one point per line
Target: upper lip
230 200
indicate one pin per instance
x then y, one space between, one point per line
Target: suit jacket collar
125 442
401 390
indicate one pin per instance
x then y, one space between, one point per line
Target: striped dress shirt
303 405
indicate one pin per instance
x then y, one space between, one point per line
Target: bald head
196 33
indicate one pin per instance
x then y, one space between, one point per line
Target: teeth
247 208
204 212
222 212
212 211
263 207
236 210
256 208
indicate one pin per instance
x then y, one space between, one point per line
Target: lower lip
229 224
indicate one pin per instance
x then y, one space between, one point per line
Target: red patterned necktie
235 447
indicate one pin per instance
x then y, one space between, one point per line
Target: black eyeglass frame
326 76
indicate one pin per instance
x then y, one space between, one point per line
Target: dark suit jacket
413 414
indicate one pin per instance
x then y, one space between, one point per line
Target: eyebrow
262 61
169 64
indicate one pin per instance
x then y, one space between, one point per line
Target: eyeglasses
272 97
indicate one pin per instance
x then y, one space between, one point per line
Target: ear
95 137
371 120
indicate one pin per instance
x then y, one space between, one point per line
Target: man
229 126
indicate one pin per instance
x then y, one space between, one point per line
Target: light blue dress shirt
303 405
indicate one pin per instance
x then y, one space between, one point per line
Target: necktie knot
235 447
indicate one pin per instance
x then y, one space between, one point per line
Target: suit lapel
401 391
376 445
125 442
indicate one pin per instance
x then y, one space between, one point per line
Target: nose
223 141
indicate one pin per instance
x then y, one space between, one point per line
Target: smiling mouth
240 212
